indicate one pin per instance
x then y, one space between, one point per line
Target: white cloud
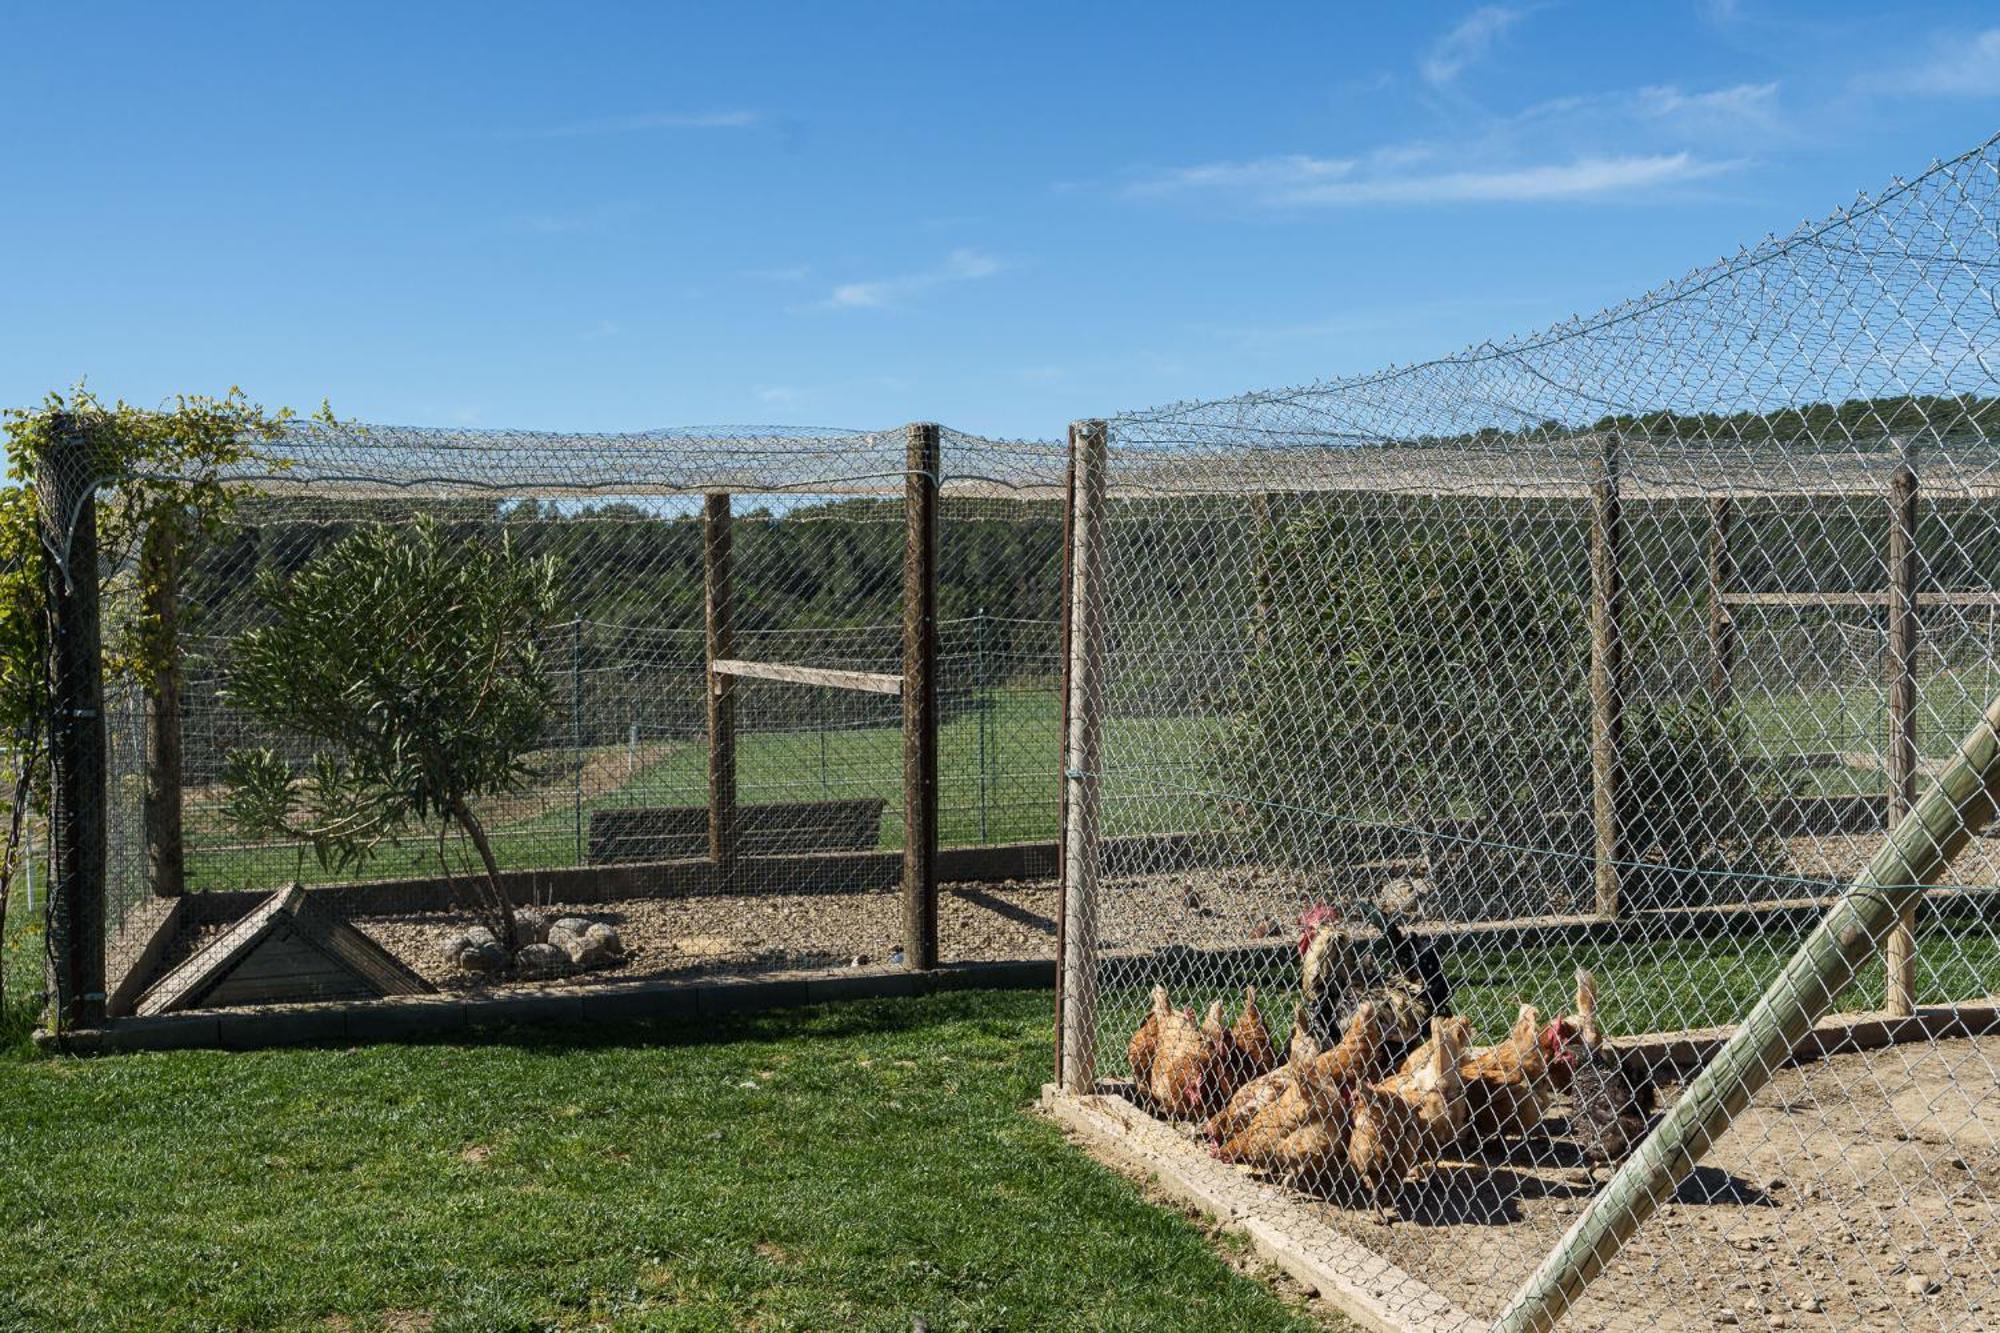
1743 99
1467 43
1310 182
958 266
647 121
1959 67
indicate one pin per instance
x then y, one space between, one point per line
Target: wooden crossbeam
869 682
1962 597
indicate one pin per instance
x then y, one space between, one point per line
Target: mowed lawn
854 1166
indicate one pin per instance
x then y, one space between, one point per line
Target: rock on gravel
541 960
531 925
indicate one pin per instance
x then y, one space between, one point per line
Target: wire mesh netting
406 651
1517 717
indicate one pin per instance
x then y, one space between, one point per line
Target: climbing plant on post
139 473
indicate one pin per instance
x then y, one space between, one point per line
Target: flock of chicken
1380 1081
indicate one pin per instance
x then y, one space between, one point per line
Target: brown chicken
1407 1121
1173 1058
1315 1093
1252 1096
1247 1052
1508 1085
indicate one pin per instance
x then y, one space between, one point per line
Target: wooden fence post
1089 446
1062 741
1607 677
1721 622
920 697
1900 950
159 578
66 485
721 644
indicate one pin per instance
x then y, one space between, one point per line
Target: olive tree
415 660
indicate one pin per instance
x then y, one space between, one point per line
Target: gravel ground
687 937
1855 1193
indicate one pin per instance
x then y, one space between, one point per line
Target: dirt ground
1855 1193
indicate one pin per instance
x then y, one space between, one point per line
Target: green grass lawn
853 1166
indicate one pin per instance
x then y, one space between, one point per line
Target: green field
856 1166
998 776
998 783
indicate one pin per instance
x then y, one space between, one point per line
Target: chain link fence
1550 736
650 686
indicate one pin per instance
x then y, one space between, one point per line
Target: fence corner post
66 486
1082 760
920 695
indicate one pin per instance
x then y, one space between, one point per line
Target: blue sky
595 216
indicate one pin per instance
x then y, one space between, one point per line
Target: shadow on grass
989 1011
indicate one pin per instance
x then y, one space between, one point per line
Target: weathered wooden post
920 697
1721 623
1607 676
1061 755
720 622
1918 850
1899 954
159 583
66 487
1082 761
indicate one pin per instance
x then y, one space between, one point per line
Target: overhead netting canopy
1611 652
354 460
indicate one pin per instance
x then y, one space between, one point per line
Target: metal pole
1916 854
1089 446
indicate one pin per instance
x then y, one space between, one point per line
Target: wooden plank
1837 1034
144 934
835 678
919 686
719 623
661 833
1607 678
1089 450
1363 1285
1899 951
1924 597
66 483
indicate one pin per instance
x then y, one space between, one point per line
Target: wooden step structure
287 950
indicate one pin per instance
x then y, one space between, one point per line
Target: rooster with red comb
1339 973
